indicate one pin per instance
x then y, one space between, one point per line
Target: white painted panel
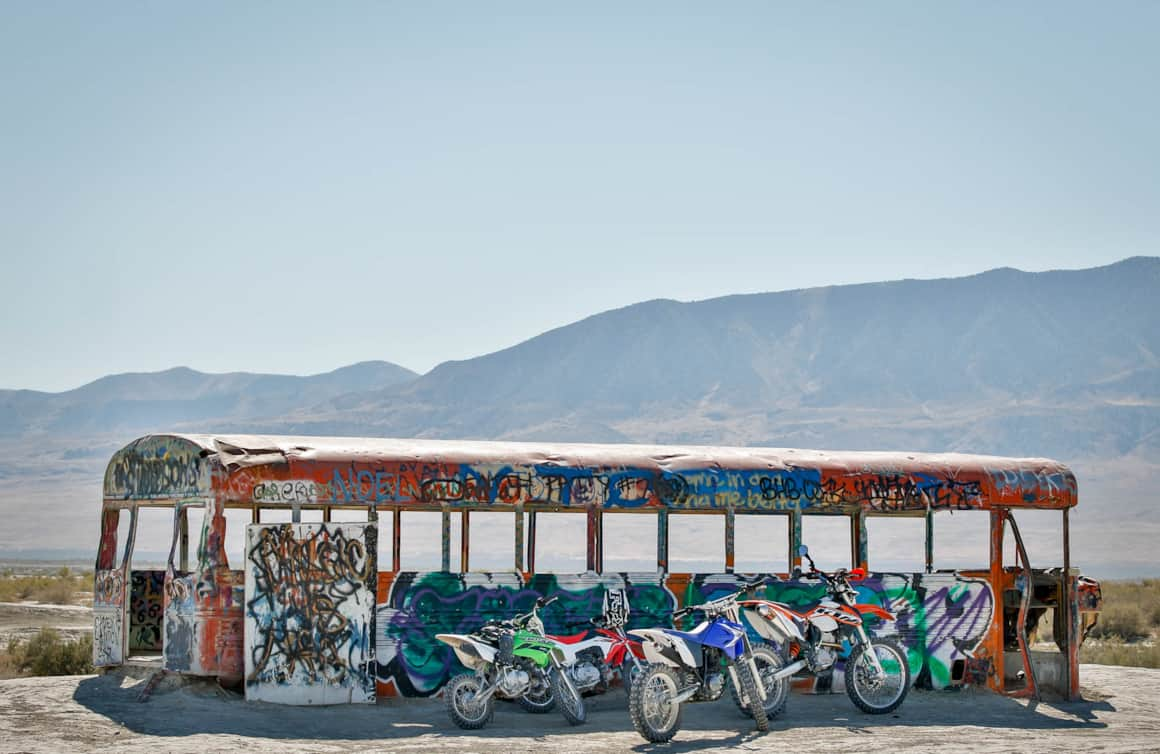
309 613
109 618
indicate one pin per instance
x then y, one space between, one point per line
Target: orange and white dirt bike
876 670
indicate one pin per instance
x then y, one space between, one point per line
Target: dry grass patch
1131 610
64 587
1126 633
1118 653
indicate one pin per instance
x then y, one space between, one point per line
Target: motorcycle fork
747 657
563 672
865 639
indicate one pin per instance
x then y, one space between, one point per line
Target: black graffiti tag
302 585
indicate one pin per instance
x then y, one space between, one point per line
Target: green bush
1123 621
48 653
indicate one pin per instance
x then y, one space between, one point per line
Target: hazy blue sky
270 187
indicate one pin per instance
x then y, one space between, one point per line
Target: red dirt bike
591 659
877 673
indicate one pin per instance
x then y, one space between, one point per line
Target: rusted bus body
238 620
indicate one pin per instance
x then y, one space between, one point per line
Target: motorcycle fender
664 649
472 654
599 642
567 652
874 610
616 655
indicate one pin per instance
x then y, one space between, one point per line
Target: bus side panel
203 624
109 618
179 635
309 619
942 620
203 629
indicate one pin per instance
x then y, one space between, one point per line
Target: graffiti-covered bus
319 570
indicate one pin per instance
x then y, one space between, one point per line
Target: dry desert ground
1120 713
104 713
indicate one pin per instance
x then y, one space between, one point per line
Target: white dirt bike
877 673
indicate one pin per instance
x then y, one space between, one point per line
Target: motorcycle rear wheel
459 695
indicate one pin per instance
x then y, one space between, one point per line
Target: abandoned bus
319 570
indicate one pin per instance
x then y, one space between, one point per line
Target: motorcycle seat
694 636
571 639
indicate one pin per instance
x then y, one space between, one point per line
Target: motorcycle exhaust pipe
685 695
789 670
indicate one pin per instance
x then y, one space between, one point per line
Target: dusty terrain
95 713
21 620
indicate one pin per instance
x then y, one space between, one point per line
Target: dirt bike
591 660
877 673
513 660
687 666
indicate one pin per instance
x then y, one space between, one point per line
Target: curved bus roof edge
472 473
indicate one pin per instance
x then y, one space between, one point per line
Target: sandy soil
102 713
22 620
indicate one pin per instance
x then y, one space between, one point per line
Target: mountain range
1063 364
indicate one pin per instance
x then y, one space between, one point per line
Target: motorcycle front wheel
460 697
768 662
568 698
749 687
630 673
871 691
652 705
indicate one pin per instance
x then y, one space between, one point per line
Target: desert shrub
1144 594
58 589
48 653
10 660
57 592
1122 621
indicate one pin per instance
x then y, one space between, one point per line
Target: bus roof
279 470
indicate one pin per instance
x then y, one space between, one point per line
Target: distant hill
144 402
1063 364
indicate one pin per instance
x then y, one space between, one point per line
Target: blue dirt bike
693 665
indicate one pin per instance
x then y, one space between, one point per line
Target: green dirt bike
511 659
